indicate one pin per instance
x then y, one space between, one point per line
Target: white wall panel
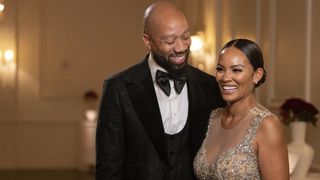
8 145
82 43
290 50
46 145
287 33
8 70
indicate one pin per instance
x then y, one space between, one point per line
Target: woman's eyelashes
237 70
219 69
234 70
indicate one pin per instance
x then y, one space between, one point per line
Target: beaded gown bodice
230 153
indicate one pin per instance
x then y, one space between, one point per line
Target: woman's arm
272 150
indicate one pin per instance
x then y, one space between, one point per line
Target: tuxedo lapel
198 122
193 90
144 101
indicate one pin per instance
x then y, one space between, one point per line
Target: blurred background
55 55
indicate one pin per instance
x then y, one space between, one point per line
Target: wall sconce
201 57
197 43
7 57
2 8
7 69
7 64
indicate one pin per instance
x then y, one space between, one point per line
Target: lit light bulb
196 43
1 7
8 55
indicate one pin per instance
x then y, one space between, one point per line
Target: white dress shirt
173 108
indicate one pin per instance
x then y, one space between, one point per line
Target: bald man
153 116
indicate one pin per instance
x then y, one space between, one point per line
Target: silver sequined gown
232 155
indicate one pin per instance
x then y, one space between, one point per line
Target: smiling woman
235 74
236 131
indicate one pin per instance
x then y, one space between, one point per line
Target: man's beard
172 68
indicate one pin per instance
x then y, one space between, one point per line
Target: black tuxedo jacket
130 138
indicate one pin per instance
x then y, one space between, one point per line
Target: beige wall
64 48
287 32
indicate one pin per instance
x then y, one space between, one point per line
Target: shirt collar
154 67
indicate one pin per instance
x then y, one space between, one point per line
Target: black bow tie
163 81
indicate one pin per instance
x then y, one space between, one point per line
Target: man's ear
147 41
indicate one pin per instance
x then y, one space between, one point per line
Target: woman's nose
226 76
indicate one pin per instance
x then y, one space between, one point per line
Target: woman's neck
241 106
236 111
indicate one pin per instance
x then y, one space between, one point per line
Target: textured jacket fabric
130 138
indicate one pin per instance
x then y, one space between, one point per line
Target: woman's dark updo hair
253 53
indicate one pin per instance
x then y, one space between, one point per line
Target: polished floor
79 175
45 175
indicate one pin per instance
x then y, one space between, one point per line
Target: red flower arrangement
295 109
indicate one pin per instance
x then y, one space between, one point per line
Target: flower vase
301 149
